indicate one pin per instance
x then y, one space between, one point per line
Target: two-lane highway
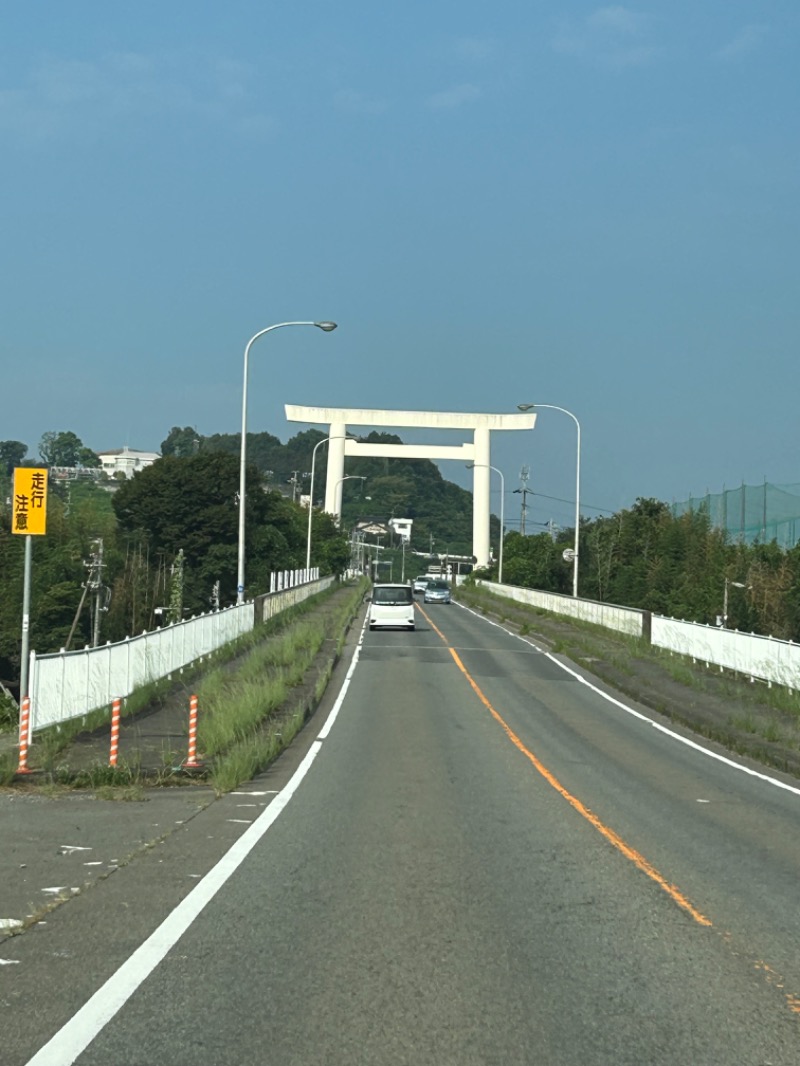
482 860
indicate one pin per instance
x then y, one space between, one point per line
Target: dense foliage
679 567
410 488
66 449
178 516
399 488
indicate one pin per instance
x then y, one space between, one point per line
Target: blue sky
582 205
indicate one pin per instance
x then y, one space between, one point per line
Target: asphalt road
481 860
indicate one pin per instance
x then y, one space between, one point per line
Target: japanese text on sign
29 512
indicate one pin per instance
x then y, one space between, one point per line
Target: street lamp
564 411
348 477
327 327
730 584
325 440
471 466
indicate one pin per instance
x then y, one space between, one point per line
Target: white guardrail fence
69 684
759 658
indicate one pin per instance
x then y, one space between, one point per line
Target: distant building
126 461
72 473
371 527
402 528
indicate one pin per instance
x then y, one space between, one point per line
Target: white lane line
73 1039
323 733
643 717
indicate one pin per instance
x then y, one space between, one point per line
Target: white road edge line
637 714
74 1037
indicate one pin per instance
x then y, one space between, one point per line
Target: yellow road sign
30 501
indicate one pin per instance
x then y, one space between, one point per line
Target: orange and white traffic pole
116 707
191 760
24 735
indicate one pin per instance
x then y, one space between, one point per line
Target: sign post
29 519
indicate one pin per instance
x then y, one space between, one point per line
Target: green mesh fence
752 513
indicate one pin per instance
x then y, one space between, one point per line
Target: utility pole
376 562
94 584
524 474
176 589
357 550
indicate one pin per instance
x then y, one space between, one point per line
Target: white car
420 583
391 605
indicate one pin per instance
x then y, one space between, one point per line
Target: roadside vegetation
677 566
160 547
255 694
251 715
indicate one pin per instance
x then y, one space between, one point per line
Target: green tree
188 503
181 442
12 452
192 504
66 449
535 562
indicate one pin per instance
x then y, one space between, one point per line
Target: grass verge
250 718
254 696
52 742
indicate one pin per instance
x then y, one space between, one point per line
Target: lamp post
348 477
730 584
327 327
471 466
325 440
564 411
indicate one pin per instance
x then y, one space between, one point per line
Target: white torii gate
477 451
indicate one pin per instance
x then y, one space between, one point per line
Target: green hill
394 488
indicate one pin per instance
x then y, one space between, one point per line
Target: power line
559 499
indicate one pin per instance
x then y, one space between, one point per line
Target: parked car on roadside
437 592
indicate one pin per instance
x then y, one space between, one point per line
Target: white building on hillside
126 461
401 527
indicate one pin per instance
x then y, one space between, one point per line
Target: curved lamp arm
327 327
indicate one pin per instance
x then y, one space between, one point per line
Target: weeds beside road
254 696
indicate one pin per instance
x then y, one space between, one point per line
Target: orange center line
433 626
613 838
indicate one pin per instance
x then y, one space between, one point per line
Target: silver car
437 592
